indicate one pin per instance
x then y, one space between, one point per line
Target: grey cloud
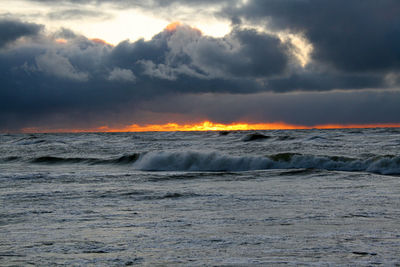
125 54
307 108
118 74
44 79
242 53
78 14
161 71
64 33
349 35
323 81
11 30
168 9
44 83
53 64
135 3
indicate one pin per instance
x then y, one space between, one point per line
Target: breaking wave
198 161
213 161
218 162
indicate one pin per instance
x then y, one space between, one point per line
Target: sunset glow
210 126
100 41
61 41
134 66
216 113
172 26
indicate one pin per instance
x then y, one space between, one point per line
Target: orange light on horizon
210 126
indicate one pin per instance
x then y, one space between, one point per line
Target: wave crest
213 161
198 161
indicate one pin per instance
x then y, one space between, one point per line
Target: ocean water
312 197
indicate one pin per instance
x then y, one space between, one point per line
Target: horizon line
204 127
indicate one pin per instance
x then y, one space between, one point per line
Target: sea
229 198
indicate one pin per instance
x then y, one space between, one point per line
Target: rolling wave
255 137
218 162
213 161
197 161
126 159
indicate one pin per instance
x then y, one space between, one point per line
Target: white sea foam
198 161
72 182
214 161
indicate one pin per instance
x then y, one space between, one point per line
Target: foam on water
214 161
217 161
79 199
198 161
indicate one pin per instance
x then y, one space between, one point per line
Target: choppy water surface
201 198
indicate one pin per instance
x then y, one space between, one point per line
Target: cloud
11 30
184 51
307 108
118 74
348 36
139 3
78 14
181 74
306 80
243 53
170 10
161 71
59 66
353 36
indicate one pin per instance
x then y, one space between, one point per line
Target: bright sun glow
210 126
215 29
121 25
172 26
128 24
302 48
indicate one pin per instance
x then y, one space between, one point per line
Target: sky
102 64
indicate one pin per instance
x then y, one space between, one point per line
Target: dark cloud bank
182 75
349 35
10 30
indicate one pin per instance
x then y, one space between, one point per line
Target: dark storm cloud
11 30
185 52
308 108
85 83
259 55
42 78
349 35
324 81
